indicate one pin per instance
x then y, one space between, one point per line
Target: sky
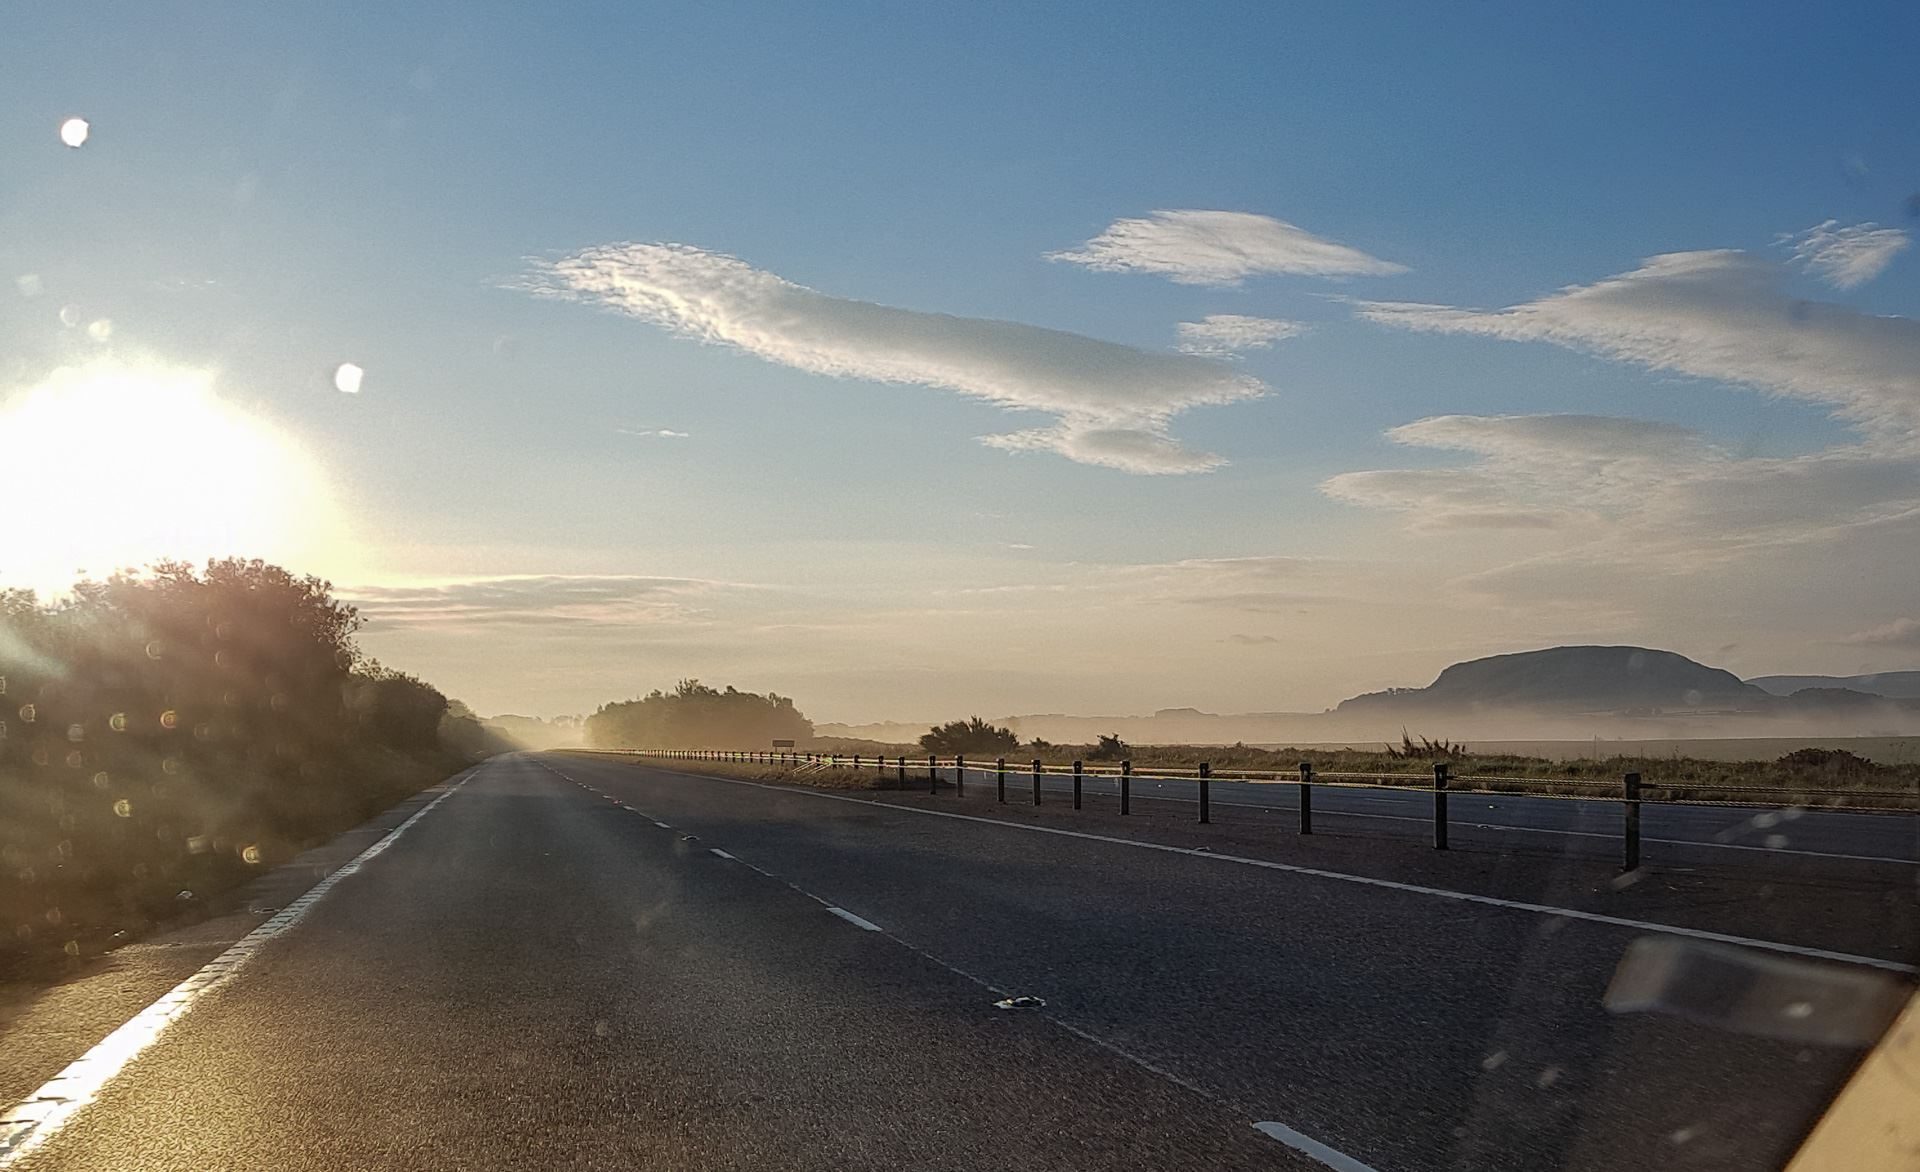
916 361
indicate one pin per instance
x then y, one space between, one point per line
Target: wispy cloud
653 433
1196 247
1662 485
1219 335
1251 640
1898 633
1113 402
548 600
1846 257
1718 315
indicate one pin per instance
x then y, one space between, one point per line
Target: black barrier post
1306 797
1631 859
1076 785
1439 805
1206 772
903 773
959 776
1126 787
1000 778
933 777
1036 783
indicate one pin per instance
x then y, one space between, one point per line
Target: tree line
695 716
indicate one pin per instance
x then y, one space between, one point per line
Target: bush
694 716
972 737
1426 750
1110 748
1835 762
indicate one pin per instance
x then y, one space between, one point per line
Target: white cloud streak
540 600
1194 247
1847 257
1113 402
1717 315
1219 335
1898 633
1598 485
652 433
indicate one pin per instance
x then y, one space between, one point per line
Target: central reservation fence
1630 791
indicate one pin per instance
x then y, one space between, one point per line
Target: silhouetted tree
695 716
1110 748
972 736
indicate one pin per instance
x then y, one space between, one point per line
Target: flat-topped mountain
1573 679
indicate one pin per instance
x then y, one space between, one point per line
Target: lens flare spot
123 809
347 378
100 329
250 854
74 132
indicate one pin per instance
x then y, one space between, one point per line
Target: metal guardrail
1630 791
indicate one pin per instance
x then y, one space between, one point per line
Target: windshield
1051 586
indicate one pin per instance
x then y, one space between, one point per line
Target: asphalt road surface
570 962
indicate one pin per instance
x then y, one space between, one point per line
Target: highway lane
1406 1031
532 977
540 974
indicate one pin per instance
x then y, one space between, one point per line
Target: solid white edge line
856 921
42 1114
1311 1147
716 850
1344 877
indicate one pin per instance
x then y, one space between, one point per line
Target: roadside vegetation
166 735
695 716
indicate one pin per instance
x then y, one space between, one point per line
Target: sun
116 464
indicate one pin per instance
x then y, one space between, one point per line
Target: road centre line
1305 1144
856 921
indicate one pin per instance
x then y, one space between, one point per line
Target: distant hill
1551 694
1895 685
534 732
1572 679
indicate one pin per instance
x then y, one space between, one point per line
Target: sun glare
74 132
114 464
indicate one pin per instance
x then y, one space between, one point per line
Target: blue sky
266 194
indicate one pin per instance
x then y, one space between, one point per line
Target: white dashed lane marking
856 921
